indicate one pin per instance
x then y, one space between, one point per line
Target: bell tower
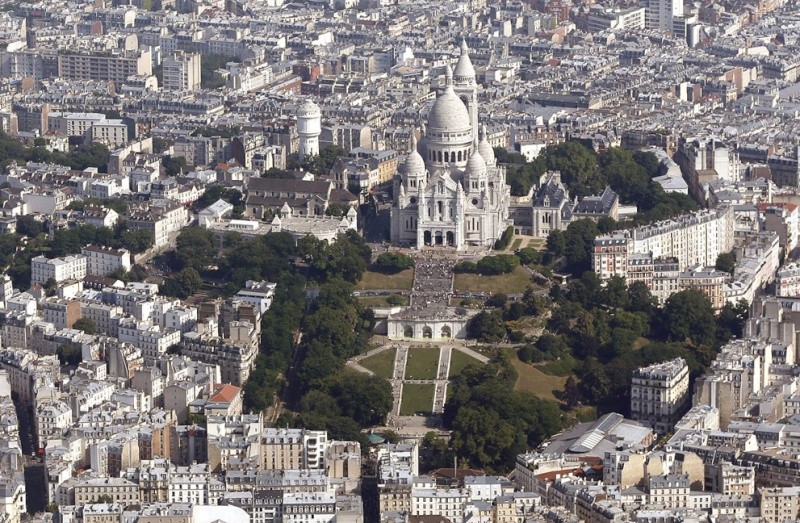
466 87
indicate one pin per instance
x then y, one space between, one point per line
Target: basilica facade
450 191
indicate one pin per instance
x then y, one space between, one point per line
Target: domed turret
476 172
485 148
464 71
413 167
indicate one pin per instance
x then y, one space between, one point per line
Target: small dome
413 164
449 113
476 165
308 109
464 68
485 148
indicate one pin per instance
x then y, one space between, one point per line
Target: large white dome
449 113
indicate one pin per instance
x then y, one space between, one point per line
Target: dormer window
546 201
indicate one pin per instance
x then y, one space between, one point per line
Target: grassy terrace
379 301
417 399
512 283
458 361
373 280
532 379
382 363
422 363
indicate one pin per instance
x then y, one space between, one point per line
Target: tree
640 299
196 247
183 284
159 144
579 245
529 255
395 299
557 242
68 354
394 262
366 399
487 326
571 394
498 264
86 325
505 239
688 314
209 64
726 262
731 320
174 165
27 225
497 300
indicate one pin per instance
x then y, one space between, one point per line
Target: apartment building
448 503
779 504
659 394
787 280
113 133
293 449
118 490
181 72
102 261
257 293
62 313
163 221
115 66
59 269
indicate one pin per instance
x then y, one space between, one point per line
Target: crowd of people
433 279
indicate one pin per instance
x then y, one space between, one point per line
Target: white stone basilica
449 191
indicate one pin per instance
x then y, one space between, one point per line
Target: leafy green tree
497 264
640 299
274 172
68 354
505 239
27 225
185 283
393 262
529 255
86 325
365 399
578 167
579 239
209 64
557 242
196 247
731 321
174 165
688 314
726 262
571 394
487 326
395 299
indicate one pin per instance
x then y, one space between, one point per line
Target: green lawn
379 301
378 280
417 399
516 244
532 379
382 363
459 360
422 363
512 283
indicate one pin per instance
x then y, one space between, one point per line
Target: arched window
440 156
440 209
446 156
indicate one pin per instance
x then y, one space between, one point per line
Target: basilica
450 191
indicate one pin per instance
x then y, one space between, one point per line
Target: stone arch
427 332
408 331
446 332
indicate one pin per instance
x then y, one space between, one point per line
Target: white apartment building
448 502
113 133
787 281
779 504
53 419
102 261
59 269
151 339
188 484
659 394
257 293
181 72
309 507
695 238
398 464
74 124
